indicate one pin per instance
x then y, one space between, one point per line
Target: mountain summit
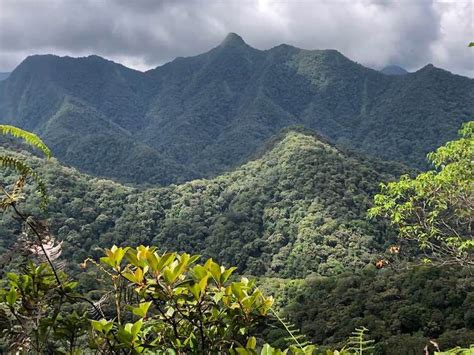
394 70
199 116
233 39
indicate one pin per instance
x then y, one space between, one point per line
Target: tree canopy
437 207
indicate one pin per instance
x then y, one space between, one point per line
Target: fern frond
295 336
15 164
30 138
358 342
24 171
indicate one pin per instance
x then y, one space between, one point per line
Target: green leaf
30 138
106 260
11 297
124 334
137 326
102 325
168 275
195 290
13 277
142 309
199 272
165 260
69 286
226 274
251 343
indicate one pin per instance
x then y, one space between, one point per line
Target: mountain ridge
301 194
202 115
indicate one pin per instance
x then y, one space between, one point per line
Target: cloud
146 33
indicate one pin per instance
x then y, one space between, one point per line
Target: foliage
33 310
299 208
24 171
148 301
176 304
404 306
437 207
197 308
199 116
359 343
28 137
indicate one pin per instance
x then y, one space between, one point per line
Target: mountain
3 76
393 70
295 216
199 116
300 208
404 307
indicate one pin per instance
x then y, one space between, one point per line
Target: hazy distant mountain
393 70
3 76
201 115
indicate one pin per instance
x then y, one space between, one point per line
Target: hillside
404 306
199 116
296 216
298 209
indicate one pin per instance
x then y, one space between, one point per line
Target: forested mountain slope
404 306
298 209
199 116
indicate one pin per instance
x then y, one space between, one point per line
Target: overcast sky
146 33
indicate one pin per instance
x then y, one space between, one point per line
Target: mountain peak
394 70
233 39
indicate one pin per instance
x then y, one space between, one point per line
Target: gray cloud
146 33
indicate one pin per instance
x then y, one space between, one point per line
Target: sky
143 34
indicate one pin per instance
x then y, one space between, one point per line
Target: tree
145 301
154 302
436 207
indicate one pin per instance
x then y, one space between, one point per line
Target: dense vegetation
403 306
436 208
154 301
146 301
198 116
298 209
394 70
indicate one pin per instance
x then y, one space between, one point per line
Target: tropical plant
24 170
437 207
167 301
160 302
145 301
359 343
